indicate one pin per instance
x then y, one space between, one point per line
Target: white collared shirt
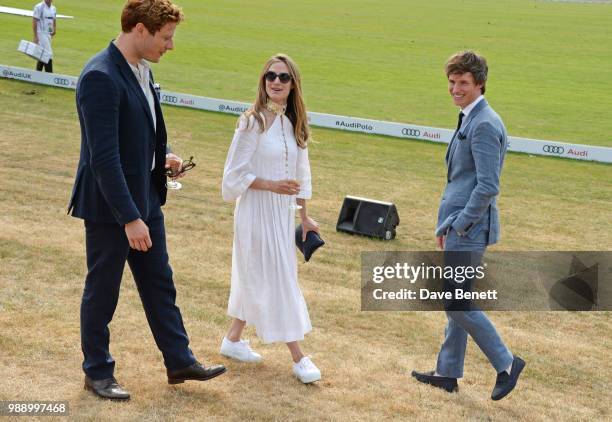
142 72
466 111
44 15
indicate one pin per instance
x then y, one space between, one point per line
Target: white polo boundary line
26 12
332 121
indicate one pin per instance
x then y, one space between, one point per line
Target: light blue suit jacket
474 159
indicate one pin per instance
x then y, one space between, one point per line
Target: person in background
44 27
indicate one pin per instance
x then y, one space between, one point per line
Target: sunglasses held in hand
186 166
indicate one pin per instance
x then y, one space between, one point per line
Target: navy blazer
118 141
474 159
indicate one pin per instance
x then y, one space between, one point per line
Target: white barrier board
332 121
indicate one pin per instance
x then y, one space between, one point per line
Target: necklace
286 147
275 108
280 111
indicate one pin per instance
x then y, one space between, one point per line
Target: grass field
366 358
550 62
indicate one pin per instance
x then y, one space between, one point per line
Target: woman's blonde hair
296 110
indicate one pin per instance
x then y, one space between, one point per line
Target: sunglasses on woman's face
283 77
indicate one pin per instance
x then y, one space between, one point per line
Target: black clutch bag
310 245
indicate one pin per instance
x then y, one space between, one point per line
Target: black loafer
195 372
445 383
108 389
505 382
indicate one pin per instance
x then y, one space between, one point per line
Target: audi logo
411 132
61 81
170 99
553 149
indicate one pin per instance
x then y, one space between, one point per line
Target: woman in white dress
267 173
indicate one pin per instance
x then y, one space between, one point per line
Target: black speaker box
368 217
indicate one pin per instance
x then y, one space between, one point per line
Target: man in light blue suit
468 221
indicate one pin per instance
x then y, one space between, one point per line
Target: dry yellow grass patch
366 358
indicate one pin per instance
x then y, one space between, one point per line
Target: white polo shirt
45 16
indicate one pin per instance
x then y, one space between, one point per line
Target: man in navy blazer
119 191
468 221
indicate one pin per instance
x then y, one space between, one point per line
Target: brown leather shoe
195 372
108 389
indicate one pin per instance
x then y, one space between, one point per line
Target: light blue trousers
475 323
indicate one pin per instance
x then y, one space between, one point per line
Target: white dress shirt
142 72
466 111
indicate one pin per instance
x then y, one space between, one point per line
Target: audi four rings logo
411 132
553 149
61 81
170 99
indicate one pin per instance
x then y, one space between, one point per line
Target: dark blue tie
450 146
461 115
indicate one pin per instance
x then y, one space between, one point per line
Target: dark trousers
48 66
107 251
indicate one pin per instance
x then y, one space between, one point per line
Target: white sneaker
306 371
239 350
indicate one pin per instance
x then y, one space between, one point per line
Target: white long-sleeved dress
264 288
